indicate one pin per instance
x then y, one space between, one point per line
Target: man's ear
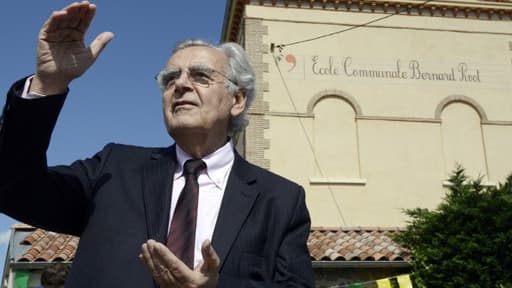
239 101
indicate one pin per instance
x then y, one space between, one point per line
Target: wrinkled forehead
198 56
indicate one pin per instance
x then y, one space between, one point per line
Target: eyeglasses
200 75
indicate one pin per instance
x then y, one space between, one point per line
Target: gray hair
239 71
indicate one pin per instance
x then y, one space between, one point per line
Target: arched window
461 133
335 137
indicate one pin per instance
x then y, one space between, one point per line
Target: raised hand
61 52
169 271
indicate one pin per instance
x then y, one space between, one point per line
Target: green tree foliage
467 240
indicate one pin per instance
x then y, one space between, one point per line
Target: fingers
70 23
72 13
177 268
158 270
100 43
52 23
210 258
146 258
87 18
77 15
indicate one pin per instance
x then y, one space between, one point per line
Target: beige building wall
372 120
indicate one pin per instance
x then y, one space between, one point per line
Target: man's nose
183 80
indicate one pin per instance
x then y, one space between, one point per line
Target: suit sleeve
293 267
30 191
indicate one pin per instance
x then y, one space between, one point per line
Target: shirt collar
218 163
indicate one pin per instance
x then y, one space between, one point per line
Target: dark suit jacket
120 197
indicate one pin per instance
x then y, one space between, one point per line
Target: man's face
197 100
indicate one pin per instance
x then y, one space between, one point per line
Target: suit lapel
239 197
157 176
237 202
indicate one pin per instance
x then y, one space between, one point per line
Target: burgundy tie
181 240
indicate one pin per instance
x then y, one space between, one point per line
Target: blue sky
117 100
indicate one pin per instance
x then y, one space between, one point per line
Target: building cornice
500 10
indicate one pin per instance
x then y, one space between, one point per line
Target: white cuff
31 95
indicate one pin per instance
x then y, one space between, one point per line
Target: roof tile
48 247
356 244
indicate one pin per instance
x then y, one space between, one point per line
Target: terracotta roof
49 247
324 244
355 244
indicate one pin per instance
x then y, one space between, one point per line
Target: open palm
61 52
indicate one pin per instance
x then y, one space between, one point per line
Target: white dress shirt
212 183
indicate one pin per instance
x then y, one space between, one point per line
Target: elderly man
195 214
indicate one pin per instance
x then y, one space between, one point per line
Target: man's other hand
169 271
